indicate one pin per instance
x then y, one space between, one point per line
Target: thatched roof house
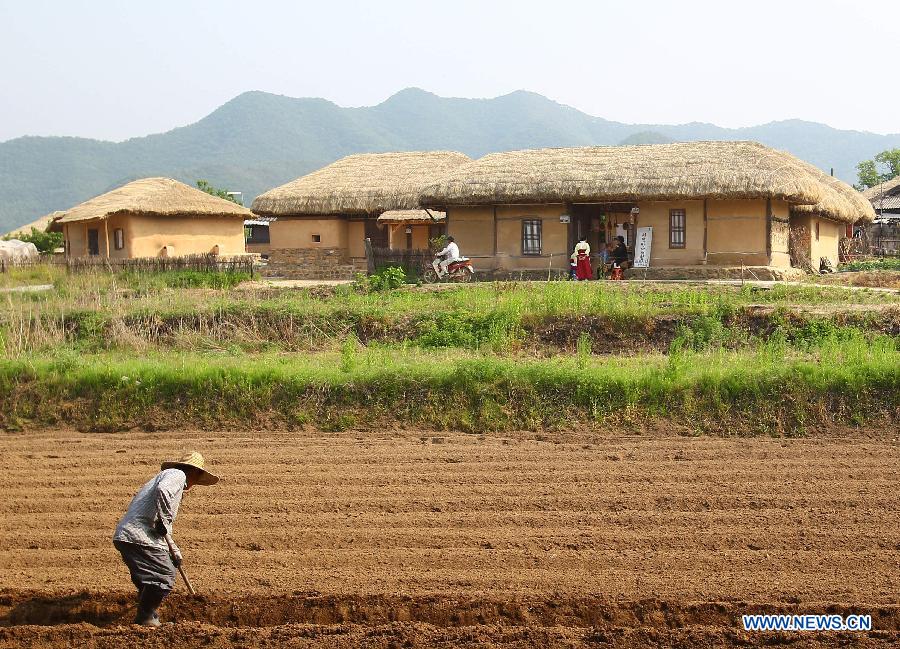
654 172
362 184
707 202
325 217
154 217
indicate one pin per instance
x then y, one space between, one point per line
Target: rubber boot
148 601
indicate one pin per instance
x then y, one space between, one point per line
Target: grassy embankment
114 354
770 389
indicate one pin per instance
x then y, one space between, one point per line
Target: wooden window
531 236
258 233
119 238
317 238
817 230
677 220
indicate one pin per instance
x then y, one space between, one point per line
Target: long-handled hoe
187 582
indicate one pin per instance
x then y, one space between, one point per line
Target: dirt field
427 540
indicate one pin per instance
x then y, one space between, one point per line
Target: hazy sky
114 70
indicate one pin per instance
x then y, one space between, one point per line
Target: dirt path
364 532
31 288
250 285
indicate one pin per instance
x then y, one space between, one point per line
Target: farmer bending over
144 535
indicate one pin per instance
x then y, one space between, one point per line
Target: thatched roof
679 171
412 216
366 183
156 196
42 224
887 188
842 202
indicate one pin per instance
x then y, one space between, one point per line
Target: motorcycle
460 270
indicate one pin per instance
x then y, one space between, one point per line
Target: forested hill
258 140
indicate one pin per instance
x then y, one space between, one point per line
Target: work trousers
149 566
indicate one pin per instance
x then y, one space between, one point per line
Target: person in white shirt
582 260
450 254
144 534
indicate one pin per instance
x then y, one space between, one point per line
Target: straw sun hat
193 460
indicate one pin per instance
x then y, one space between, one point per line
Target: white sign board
642 247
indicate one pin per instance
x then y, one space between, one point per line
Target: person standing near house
582 258
450 254
144 534
619 253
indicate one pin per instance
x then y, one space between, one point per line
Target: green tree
204 186
891 159
870 172
45 242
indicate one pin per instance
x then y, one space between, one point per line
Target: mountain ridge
258 140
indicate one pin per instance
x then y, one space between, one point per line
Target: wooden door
377 233
93 237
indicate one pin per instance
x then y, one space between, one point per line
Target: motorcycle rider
450 254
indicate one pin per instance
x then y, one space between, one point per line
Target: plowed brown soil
423 540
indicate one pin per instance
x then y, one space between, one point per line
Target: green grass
101 281
39 274
772 389
885 263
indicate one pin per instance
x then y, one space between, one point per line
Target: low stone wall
312 263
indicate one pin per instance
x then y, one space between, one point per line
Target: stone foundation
312 263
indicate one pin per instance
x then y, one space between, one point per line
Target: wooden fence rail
204 263
414 262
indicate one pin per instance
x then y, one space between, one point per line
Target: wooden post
495 234
106 232
370 256
705 245
768 231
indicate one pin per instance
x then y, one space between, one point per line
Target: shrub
387 279
45 242
885 263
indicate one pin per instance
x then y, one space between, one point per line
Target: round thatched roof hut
362 184
653 172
